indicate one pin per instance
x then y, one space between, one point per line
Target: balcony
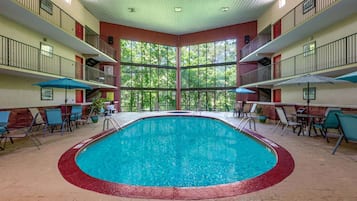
59 26
331 59
296 26
25 60
95 41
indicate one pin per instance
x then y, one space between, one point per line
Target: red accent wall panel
277 29
124 32
79 96
277 95
277 66
237 31
79 30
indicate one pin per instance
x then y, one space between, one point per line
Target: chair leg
324 134
338 143
283 129
300 130
276 126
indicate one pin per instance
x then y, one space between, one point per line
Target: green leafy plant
259 111
97 105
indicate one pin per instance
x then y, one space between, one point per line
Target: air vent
91 62
265 61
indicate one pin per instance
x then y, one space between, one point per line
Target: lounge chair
36 116
246 109
76 114
54 119
86 119
290 112
237 110
285 122
348 127
329 122
4 120
27 134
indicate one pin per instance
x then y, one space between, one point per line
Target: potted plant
262 118
96 108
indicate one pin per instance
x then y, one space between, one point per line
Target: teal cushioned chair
4 120
348 125
76 114
329 122
54 119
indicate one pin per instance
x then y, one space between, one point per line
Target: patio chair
285 122
348 127
54 119
37 118
26 134
290 112
246 109
4 120
76 114
237 109
328 122
86 119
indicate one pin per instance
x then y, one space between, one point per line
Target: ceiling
159 15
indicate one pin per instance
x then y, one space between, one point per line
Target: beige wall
342 29
326 94
275 13
22 34
20 93
79 13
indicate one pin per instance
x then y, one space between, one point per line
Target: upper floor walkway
301 22
47 18
332 59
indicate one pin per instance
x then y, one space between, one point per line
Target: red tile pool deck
72 173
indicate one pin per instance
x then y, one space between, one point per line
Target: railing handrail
36 63
314 65
251 47
110 51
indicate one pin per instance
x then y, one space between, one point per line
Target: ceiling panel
159 15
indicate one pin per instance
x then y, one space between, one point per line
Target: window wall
207 72
148 76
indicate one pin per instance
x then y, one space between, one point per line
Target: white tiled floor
30 174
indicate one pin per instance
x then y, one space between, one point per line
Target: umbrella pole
65 101
308 98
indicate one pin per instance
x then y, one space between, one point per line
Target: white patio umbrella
308 80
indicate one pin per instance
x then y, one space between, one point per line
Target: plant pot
262 119
94 119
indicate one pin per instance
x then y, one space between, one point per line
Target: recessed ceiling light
131 10
178 9
224 9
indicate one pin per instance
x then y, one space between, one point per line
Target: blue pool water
176 152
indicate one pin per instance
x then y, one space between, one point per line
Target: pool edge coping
72 173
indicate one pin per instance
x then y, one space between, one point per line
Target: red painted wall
229 32
124 32
237 31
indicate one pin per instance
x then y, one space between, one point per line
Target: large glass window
148 76
207 72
